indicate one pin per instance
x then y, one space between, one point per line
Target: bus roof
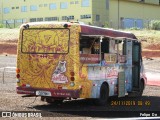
98 31
93 30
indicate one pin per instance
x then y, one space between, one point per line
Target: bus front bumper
48 92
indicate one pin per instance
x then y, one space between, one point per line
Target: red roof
93 30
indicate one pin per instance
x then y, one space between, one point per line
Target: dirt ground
6 48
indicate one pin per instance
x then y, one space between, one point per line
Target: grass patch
150 37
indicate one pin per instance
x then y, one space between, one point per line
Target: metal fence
7 69
8 75
11 23
152 65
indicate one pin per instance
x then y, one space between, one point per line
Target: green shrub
1 26
155 25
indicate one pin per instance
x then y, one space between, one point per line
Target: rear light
72 78
23 85
17 70
72 73
18 75
26 85
59 87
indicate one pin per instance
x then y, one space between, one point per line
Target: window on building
64 5
24 9
40 5
51 19
45 5
33 8
86 16
68 17
71 17
32 19
72 2
6 10
21 20
10 21
39 19
17 7
52 6
64 18
97 17
13 8
107 4
76 2
85 3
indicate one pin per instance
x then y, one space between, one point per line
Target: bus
63 60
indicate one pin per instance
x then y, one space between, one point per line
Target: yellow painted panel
45 40
52 70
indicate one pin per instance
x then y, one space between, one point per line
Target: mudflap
121 84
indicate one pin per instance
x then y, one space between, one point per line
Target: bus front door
136 57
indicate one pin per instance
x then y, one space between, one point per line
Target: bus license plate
43 93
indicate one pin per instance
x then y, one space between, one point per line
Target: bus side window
121 51
85 45
105 46
88 52
96 47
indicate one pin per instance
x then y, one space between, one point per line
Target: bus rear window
47 41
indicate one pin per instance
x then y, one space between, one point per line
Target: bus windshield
45 41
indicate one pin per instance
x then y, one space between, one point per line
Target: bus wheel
104 94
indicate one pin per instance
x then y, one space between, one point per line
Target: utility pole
2 10
118 14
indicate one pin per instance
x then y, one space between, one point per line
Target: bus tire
104 94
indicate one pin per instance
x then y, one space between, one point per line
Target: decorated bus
63 60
